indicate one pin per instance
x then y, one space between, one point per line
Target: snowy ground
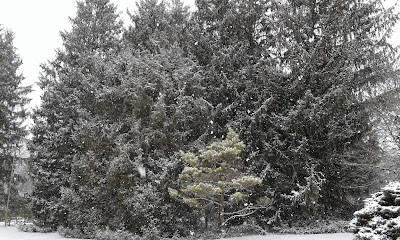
12 233
332 236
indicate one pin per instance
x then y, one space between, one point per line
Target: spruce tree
126 113
330 53
68 82
13 112
229 38
293 82
159 113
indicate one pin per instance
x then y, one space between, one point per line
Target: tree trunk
9 191
221 212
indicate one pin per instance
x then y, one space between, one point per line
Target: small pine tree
214 176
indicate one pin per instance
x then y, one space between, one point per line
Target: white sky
37 23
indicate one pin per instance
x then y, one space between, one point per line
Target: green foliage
307 197
13 113
67 104
217 173
159 25
292 80
119 114
323 120
119 105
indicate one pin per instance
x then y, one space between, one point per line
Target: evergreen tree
52 150
68 100
329 53
378 218
214 177
159 113
13 112
117 114
118 106
292 83
229 38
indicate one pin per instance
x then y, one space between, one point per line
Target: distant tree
383 105
216 177
13 112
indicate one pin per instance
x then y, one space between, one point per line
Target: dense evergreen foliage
68 103
13 113
290 77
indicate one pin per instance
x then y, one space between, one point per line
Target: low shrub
380 217
115 235
71 233
30 227
314 227
244 229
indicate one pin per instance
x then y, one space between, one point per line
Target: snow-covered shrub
313 227
115 235
27 227
30 227
380 217
70 233
245 229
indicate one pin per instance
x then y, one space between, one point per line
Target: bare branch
236 216
247 209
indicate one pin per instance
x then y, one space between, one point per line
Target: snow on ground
330 236
12 233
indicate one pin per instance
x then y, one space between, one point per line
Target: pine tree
329 53
68 102
159 114
214 176
229 38
13 112
293 83
125 112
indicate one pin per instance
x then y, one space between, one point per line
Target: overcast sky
37 23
